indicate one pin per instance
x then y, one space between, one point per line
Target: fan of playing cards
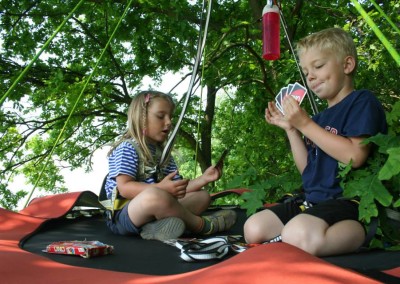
296 90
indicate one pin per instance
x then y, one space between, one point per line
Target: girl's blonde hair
332 40
137 121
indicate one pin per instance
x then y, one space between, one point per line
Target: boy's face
326 75
159 115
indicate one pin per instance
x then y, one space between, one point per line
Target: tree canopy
156 38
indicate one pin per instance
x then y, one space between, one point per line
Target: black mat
132 254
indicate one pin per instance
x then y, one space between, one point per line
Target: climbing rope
200 50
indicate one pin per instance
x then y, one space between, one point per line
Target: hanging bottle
271 32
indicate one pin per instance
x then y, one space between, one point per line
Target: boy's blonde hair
332 40
137 120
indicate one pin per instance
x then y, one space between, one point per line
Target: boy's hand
294 114
274 117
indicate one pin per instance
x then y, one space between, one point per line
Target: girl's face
159 115
326 75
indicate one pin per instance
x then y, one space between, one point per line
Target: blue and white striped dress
125 160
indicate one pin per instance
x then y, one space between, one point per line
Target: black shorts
331 211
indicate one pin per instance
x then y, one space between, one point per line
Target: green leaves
392 165
389 47
378 184
368 188
253 200
159 37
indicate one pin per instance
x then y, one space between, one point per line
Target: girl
161 204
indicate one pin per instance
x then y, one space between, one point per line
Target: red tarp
274 263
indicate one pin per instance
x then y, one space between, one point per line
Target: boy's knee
302 238
252 232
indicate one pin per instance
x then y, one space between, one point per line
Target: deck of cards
296 90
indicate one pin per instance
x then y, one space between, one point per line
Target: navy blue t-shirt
359 114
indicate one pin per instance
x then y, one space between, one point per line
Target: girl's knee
204 198
196 202
154 196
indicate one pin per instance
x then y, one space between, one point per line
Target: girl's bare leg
154 204
196 202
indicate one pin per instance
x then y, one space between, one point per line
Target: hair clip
147 98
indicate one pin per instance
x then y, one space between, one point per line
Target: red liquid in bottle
271 33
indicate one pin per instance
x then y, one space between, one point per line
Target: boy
329 225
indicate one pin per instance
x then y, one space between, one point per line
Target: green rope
199 116
385 16
200 104
78 99
389 47
39 53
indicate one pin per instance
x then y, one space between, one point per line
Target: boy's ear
349 64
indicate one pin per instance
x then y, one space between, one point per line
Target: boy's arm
342 149
274 117
298 148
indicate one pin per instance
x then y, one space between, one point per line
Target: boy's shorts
331 211
121 224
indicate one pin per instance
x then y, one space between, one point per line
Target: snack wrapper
85 249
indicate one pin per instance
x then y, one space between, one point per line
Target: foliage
265 190
156 38
378 184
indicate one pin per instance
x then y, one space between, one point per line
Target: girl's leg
154 204
196 202
262 226
315 236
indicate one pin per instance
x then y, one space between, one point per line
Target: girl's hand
176 188
213 173
274 117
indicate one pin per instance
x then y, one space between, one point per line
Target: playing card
277 98
278 101
289 87
298 92
284 92
221 159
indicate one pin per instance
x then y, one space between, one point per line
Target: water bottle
271 30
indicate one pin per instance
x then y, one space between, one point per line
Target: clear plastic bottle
271 32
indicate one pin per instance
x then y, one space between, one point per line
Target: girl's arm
213 173
129 188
